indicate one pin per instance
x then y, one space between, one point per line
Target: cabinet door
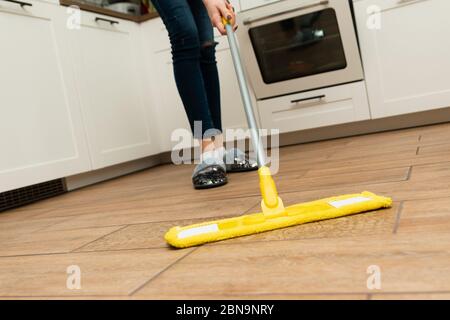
107 67
406 60
170 115
41 131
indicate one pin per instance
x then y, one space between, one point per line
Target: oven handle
310 98
320 3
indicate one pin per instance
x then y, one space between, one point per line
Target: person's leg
235 159
186 53
208 63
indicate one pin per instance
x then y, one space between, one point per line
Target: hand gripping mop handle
271 203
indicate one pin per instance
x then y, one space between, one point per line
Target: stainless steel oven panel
289 9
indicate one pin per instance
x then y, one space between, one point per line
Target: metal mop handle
271 203
245 94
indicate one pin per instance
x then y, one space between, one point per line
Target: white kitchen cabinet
406 59
314 109
41 130
107 61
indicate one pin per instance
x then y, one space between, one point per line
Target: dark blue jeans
194 61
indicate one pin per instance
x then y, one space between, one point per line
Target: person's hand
218 9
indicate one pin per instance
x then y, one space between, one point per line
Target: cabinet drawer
94 20
313 109
28 8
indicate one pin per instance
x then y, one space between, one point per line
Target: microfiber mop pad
329 208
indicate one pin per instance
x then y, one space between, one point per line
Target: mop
274 214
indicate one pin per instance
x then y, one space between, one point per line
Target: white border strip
198 231
346 202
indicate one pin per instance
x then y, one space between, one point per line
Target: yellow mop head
334 207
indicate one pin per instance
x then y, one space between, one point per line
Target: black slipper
209 177
238 161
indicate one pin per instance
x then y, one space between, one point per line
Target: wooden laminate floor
113 231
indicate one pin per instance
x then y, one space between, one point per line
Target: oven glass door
298 47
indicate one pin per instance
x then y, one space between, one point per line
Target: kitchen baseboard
92 177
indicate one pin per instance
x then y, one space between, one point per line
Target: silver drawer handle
322 96
320 3
112 22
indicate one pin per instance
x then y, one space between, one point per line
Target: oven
299 45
